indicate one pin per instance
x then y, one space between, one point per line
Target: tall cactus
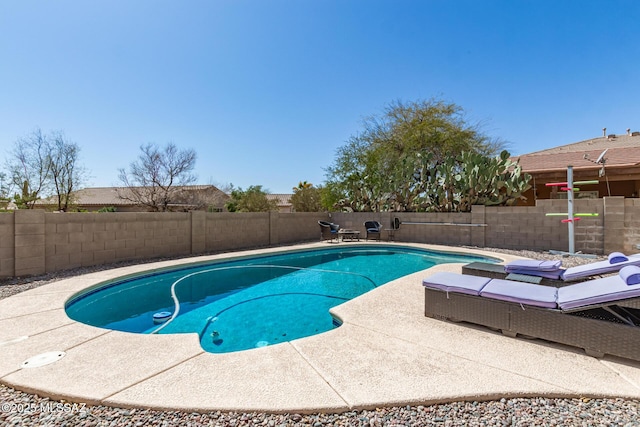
473 179
490 181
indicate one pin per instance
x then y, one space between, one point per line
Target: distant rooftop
281 199
621 150
110 196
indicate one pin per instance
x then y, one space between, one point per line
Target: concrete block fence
36 242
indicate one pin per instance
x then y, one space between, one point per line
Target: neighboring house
618 169
192 197
8 205
283 201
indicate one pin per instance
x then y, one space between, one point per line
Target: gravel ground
23 409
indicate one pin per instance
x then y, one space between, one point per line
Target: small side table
350 235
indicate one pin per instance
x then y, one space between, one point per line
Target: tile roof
281 199
101 196
109 196
622 150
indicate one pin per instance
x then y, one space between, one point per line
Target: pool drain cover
43 359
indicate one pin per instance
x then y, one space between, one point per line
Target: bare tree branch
30 168
66 173
154 180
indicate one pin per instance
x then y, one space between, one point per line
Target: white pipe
445 223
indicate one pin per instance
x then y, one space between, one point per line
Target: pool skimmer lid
43 359
162 317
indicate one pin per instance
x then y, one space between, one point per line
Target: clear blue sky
266 91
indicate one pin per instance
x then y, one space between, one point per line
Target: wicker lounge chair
601 316
373 228
551 272
328 231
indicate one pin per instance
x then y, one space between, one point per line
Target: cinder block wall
29 243
231 231
429 229
7 244
295 227
530 228
631 233
590 231
82 239
429 232
515 227
35 242
518 227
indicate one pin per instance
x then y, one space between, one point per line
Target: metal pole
570 209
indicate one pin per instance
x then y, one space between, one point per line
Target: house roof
281 199
101 196
622 151
109 196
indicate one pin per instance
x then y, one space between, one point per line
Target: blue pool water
246 303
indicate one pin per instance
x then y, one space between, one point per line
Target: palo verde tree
306 198
41 165
392 162
155 179
253 199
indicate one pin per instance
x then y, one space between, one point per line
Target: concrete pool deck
386 353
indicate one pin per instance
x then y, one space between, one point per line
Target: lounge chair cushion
521 293
616 257
630 274
596 292
596 268
453 282
530 264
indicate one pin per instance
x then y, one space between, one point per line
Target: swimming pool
240 304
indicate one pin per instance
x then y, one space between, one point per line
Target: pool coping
386 353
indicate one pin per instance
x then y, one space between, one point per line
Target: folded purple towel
630 274
533 265
616 257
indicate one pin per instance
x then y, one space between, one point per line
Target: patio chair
374 228
328 230
601 316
